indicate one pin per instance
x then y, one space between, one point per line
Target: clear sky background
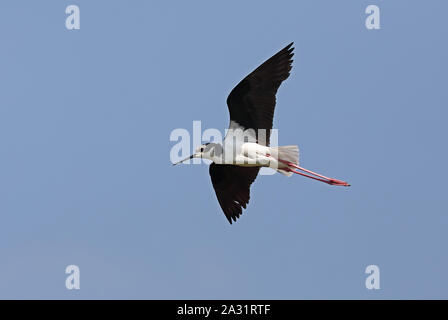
86 178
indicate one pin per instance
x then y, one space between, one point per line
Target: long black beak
190 157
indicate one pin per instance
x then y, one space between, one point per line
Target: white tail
288 153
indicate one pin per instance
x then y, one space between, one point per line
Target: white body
247 154
240 148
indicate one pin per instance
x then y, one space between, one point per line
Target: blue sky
86 179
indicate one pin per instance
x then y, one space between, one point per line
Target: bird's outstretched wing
252 102
232 187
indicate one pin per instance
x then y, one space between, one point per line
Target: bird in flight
245 148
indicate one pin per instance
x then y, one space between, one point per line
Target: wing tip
289 48
288 52
234 216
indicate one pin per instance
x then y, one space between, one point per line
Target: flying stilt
245 148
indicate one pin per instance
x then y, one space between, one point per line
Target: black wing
232 187
252 102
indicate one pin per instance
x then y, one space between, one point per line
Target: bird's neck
216 154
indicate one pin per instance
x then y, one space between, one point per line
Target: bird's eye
202 149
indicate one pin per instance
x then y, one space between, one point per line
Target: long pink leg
325 179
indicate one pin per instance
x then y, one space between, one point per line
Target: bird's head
206 151
202 151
